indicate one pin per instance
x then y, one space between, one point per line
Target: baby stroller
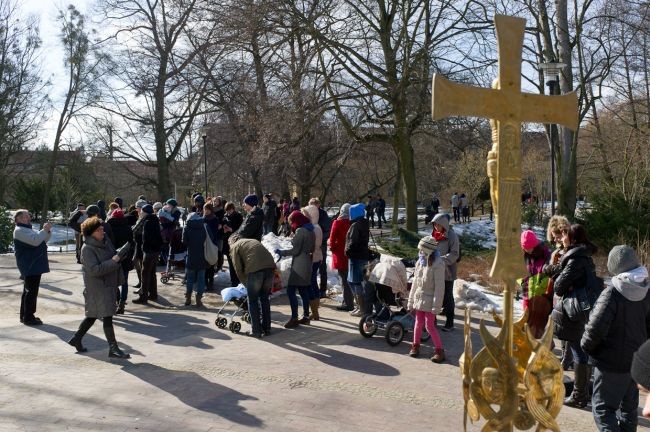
237 296
389 279
175 258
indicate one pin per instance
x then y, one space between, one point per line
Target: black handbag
577 305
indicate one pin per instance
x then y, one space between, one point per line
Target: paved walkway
187 375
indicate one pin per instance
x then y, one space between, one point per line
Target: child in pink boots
426 296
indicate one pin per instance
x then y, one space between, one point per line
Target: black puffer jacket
356 240
252 227
619 323
577 270
121 235
151 236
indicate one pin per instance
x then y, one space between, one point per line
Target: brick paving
185 374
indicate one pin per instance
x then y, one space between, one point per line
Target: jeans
195 276
370 298
29 298
448 304
314 291
259 285
356 288
614 401
149 286
348 300
579 356
381 216
124 289
293 299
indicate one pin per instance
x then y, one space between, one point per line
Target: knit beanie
119 201
157 205
641 366
92 210
142 197
140 203
147 209
251 200
529 240
90 225
345 211
428 245
117 213
621 259
172 202
199 199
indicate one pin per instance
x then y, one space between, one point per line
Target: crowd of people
603 329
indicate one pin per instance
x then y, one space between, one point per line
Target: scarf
439 236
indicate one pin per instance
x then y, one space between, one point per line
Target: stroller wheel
222 323
164 279
394 333
246 317
367 326
236 327
425 336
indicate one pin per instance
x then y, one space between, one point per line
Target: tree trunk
567 166
407 164
397 192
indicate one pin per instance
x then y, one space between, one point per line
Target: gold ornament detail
515 380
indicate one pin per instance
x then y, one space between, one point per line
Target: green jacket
250 256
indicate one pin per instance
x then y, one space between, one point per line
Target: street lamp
552 72
205 163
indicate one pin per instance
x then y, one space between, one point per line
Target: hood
633 285
357 211
345 211
442 219
312 211
195 223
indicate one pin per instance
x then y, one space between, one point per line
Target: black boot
579 397
120 308
83 329
113 349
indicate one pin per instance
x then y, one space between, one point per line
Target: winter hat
621 259
157 205
90 225
357 211
92 210
142 197
312 211
297 219
117 213
101 204
251 200
119 201
147 209
529 240
428 245
162 214
345 211
199 199
140 203
641 366
172 202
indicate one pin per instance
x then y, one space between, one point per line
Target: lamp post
552 72
205 163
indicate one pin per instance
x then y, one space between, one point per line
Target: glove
278 252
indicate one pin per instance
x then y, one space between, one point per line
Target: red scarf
439 236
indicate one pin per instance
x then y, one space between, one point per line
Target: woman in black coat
151 245
576 271
121 235
231 223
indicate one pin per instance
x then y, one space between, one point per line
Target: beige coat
428 288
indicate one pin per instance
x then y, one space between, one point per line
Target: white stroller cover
390 271
239 291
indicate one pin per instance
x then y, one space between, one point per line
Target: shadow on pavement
55 289
170 328
197 392
96 345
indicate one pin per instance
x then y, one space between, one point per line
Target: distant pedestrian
455 206
231 223
102 274
435 205
76 219
270 210
381 211
464 208
31 258
371 204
